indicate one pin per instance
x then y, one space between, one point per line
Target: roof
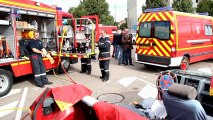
28 4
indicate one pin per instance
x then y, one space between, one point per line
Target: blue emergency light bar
58 8
204 13
158 9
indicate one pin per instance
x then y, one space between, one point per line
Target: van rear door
154 38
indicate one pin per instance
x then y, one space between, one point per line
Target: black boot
89 72
106 77
103 74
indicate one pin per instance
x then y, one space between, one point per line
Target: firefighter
85 62
104 55
86 65
36 53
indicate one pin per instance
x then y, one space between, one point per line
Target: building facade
134 10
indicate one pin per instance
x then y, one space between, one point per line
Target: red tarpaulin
106 111
67 96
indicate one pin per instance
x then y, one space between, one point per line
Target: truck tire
65 62
185 60
6 82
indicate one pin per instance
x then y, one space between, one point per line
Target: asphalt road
123 87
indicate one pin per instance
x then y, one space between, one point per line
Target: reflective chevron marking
162 48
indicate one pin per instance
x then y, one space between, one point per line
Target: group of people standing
104 45
122 43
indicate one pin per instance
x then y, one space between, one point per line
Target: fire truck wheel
6 82
65 65
185 60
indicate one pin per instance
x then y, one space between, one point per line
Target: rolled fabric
50 59
182 91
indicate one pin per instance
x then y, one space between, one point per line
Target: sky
121 7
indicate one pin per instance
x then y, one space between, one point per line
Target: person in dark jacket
120 53
36 52
104 55
116 46
127 47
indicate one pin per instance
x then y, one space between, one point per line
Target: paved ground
126 81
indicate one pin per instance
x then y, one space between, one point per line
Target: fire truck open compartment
44 25
7 38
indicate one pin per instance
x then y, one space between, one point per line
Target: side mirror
173 32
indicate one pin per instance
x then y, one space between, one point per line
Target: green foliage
94 7
124 25
205 6
183 6
154 4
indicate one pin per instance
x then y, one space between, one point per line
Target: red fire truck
58 32
169 38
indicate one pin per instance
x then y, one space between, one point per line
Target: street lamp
115 10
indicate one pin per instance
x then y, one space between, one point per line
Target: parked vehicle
59 33
169 38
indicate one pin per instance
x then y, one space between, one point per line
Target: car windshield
192 73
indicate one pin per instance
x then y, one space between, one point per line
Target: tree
78 11
183 6
124 25
94 7
205 6
154 4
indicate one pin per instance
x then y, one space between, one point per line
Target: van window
162 30
208 29
145 29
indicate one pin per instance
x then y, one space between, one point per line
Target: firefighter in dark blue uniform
36 53
104 55
86 65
